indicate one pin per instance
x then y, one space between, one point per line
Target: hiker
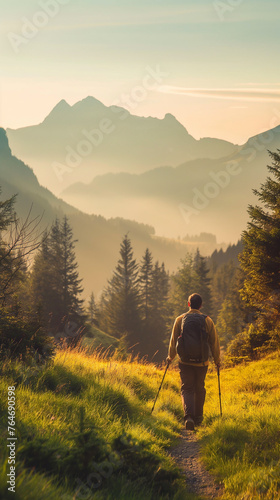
193 357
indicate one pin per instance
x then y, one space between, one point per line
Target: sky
212 64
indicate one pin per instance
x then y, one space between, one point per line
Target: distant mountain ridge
98 239
200 195
76 143
105 161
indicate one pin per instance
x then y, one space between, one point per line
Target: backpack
192 345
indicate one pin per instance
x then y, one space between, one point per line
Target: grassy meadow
85 430
242 449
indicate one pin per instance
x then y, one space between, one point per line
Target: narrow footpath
198 479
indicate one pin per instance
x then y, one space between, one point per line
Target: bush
249 345
24 339
61 459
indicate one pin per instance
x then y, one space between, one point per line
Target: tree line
42 301
45 299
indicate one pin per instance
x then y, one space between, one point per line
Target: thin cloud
185 15
240 94
258 84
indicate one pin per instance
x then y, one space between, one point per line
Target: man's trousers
193 390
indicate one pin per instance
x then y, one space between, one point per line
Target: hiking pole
219 387
168 363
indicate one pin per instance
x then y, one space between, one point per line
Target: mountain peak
59 110
89 101
169 116
61 105
172 120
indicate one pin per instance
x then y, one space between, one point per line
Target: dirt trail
198 479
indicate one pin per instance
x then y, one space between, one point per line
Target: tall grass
243 447
85 429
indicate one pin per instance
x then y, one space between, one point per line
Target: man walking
193 361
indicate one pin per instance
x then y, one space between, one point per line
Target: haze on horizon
218 61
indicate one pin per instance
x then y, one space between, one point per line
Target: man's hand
168 360
218 366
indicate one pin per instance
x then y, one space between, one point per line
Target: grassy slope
243 448
84 427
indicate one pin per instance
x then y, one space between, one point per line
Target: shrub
24 339
248 345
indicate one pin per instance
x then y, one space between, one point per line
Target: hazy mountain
76 143
98 239
196 196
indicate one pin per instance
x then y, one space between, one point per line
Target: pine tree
122 297
145 284
185 282
7 213
260 259
203 287
21 335
43 296
72 288
159 319
232 315
92 310
11 262
222 279
56 284
159 289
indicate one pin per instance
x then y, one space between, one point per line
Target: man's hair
195 301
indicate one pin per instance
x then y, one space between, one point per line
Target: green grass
243 448
85 430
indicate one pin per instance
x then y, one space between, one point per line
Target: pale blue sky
102 48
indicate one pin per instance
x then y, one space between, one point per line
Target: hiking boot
189 424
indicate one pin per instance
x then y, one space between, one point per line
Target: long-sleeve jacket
212 338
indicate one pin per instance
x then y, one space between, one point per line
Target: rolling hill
98 239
